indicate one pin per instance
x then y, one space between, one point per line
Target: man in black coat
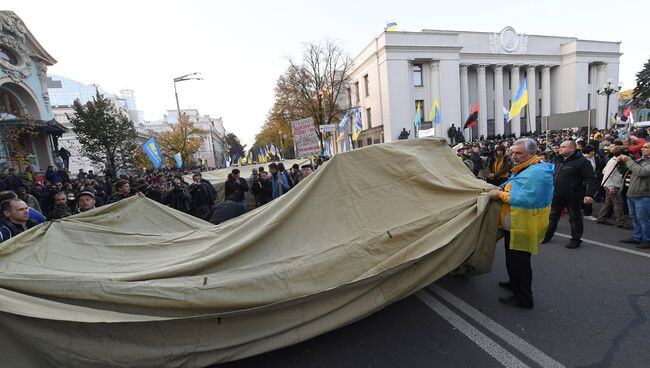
203 197
574 183
236 186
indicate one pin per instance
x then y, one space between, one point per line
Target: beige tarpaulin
218 177
137 284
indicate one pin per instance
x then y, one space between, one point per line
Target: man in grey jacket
638 197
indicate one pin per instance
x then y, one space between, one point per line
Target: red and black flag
626 115
472 118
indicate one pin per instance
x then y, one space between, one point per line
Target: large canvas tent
137 284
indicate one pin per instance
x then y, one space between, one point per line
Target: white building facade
212 148
399 69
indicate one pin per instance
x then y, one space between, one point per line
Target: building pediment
19 49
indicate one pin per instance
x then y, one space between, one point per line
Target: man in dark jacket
203 197
177 196
15 218
236 186
574 183
226 210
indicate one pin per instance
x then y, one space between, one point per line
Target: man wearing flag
526 198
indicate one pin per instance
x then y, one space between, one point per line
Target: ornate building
398 70
27 127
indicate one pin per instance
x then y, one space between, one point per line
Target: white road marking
484 342
512 339
604 245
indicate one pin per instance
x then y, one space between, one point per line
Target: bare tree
314 85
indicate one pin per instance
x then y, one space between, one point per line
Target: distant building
212 149
398 70
24 100
64 91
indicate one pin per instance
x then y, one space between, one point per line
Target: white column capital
531 68
546 68
481 68
515 67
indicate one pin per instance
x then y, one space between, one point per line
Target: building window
366 85
494 82
538 80
369 118
539 107
417 75
356 93
369 142
588 101
9 104
509 82
589 74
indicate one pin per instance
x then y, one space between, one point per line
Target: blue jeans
640 213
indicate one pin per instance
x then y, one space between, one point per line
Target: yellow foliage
184 137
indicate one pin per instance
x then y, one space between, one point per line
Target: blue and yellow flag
521 100
152 150
418 120
390 27
434 115
531 195
357 127
179 160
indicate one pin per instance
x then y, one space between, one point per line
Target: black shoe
604 222
573 245
546 240
506 285
630 241
644 245
626 227
513 302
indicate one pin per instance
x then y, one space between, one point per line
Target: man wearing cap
86 201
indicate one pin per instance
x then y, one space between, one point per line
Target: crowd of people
545 176
25 201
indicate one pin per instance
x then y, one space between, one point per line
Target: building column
515 123
601 101
482 101
435 92
498 99
464 94
532 99
546 92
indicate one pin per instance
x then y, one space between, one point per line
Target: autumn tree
277 131
184 137
16 142
641 95
106 134
314 86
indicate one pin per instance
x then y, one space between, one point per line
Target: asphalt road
591 310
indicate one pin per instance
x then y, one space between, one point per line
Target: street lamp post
608 90
186 77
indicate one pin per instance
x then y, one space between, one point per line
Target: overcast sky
241 47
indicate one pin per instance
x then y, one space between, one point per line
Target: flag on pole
391 26
521 100
472 118
434 115
179 160
357 127
613 119
152 150
274 151
506 114
343 126
418 120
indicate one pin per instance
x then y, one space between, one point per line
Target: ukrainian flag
521 100
418 120
357 127
531 195
390 27
435 115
